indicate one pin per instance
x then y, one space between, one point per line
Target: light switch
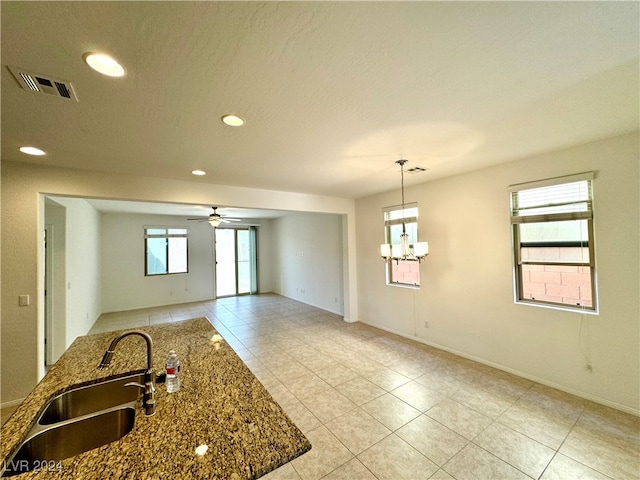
24 300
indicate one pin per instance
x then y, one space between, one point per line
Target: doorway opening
236 261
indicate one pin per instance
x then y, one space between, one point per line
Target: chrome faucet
149 387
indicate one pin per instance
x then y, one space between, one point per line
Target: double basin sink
77 421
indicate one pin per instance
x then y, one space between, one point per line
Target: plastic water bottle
172 368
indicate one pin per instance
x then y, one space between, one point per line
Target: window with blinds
552 222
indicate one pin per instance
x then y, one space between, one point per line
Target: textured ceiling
333 92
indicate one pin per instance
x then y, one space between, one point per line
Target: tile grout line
312 326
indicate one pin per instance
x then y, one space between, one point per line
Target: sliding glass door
236 261
243 261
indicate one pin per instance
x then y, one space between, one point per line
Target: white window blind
396 215
571 199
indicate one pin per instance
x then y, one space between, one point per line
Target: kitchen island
221 405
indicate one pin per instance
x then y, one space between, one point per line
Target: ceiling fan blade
201 219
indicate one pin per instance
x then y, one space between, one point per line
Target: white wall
82 267
125 286
55 219
75 287
265 255
467 288
22 203
308 259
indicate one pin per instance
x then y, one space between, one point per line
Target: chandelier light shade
404 250
421 249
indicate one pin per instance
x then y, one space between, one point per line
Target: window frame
388 223
518 244
252 231
167 236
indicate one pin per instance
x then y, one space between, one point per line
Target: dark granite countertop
221 404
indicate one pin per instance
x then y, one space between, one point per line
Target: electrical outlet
24 300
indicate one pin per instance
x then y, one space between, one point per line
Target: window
402 272
553 242
165 250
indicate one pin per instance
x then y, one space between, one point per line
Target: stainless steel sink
91 398
47 445
77 421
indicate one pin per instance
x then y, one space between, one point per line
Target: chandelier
404 250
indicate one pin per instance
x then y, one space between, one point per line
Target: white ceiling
333 92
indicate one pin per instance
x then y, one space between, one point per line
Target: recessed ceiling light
31 151
104 64
198 172
232 120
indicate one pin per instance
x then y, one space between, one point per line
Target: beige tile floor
375 405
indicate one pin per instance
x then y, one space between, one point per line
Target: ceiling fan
215 218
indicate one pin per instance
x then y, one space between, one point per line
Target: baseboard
185 302
159 305
533 378
310 304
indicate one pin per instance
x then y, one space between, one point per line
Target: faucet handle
135 384
149 399
140 386
147 388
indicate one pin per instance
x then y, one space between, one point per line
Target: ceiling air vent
44 84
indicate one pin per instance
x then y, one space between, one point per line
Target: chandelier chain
402 186
401 162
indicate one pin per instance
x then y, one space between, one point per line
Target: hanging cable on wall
415 314
584 338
